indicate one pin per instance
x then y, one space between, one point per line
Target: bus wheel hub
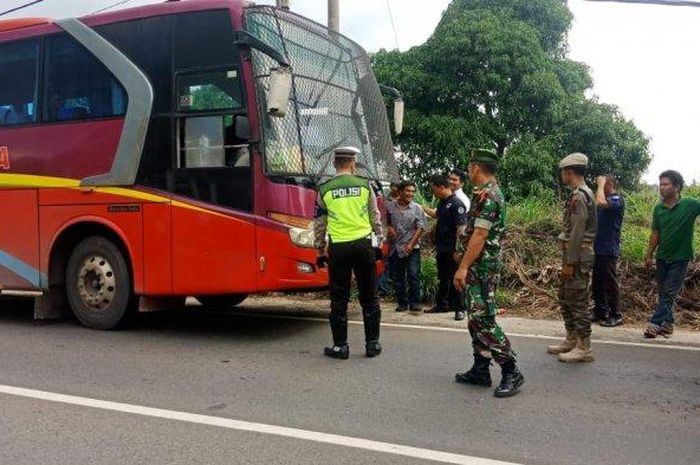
96 283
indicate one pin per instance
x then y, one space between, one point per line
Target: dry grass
532 276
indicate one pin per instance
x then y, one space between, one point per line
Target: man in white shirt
457 179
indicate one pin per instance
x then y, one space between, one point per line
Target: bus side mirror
242 129
398 116
280 89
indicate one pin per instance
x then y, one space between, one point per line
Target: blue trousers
669 276
405 274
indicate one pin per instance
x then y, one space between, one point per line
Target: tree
494 74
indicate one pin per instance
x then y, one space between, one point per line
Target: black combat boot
478 374
339 329
510 382
337 351
373 349
372 325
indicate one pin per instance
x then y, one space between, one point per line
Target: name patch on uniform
344 192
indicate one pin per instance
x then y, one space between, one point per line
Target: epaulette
585 194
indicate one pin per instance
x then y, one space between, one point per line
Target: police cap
346 152
574 159
483 156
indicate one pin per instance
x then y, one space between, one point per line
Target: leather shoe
612 322
459 316
435 310
341 352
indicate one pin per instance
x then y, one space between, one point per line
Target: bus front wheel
98 283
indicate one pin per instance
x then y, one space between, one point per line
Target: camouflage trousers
574 297
487 336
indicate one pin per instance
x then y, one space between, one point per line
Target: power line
391 18
654 2
110 6
12 10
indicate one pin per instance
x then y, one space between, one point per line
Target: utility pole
333 16
284 4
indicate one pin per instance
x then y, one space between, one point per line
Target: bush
541 213
428 278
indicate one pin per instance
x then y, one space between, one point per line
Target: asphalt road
634 405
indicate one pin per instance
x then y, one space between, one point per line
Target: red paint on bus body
176 246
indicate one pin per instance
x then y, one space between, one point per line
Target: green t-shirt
676 227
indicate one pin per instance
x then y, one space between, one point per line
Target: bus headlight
302 237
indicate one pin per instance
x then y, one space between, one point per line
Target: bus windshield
335 99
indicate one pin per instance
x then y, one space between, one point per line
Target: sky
645 59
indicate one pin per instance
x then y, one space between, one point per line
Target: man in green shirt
672 231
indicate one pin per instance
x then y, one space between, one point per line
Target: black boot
478 374
373 349
339 329
510 382
372 324
342 352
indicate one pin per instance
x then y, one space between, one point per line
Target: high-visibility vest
347 198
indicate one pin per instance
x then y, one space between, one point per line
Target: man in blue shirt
606 286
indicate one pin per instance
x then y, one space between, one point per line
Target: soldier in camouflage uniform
479 272
580 224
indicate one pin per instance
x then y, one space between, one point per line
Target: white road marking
464 330
262 428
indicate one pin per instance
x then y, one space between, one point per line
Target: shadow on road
192 322
195 321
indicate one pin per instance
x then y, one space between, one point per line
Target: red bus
173 150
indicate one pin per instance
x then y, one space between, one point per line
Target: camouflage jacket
580 223
487 211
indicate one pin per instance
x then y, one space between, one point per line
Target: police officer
478 273
346 212
580 224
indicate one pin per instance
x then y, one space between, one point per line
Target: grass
542 214
636 228
535 214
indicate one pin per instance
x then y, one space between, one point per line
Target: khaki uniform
580 224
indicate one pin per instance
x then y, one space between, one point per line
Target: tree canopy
495 74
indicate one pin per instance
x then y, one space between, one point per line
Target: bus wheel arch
105 243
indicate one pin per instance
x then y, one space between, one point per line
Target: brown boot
581 353
564 346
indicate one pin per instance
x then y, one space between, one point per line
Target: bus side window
203 142
78 86
18 72
236 140
214 141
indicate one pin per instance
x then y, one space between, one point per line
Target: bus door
213 239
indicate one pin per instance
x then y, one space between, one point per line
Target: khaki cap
574 159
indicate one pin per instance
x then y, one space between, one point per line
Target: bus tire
98 284
221 302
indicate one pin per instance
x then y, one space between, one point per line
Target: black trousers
346 258
606 287
448 298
